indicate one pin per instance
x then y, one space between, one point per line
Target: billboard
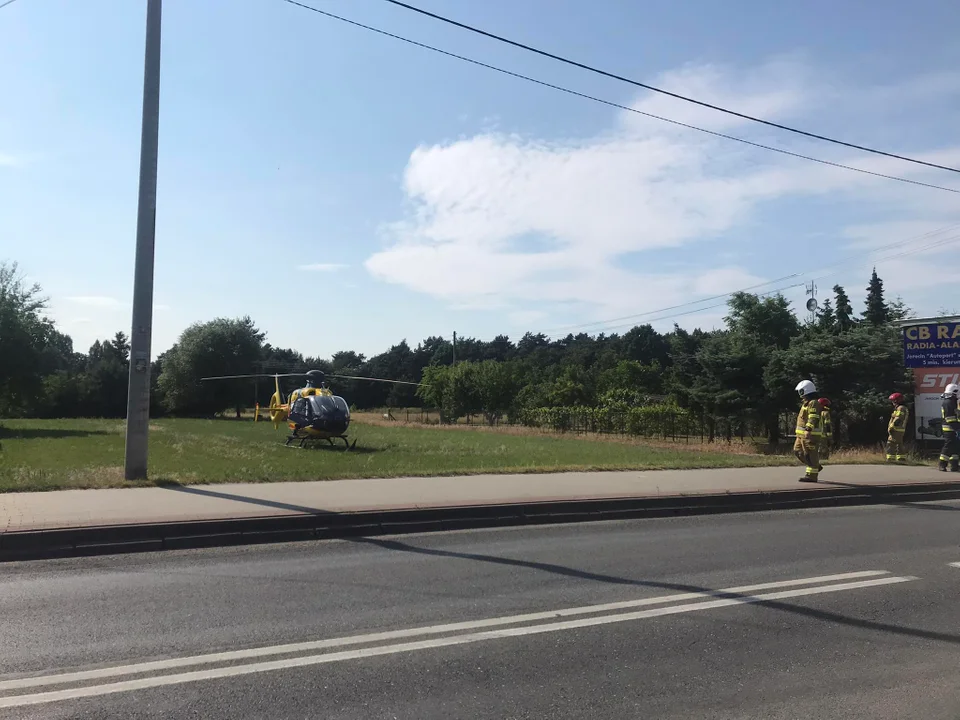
932 345
928 386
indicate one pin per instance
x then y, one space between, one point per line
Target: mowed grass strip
57 454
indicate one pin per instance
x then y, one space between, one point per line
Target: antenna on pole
811 290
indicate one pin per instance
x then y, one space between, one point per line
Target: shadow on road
397 546
893 503
824 615
193 490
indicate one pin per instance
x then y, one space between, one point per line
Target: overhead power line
605 73
945 241
938 243
606 326
674 122
671 316
675 307
839 263
8 2
614 104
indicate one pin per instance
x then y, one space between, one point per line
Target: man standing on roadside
826 440
896 428
950 453
809 431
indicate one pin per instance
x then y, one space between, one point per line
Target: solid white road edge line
138 668
215 673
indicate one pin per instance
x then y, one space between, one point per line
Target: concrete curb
114 539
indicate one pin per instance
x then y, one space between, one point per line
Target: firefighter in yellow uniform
809 431
950 413
896 428
826 440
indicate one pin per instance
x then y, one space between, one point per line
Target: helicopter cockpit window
301 406
324 405
342 405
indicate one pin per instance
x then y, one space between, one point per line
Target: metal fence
678 426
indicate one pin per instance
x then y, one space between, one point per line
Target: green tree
24 335
769 321
645 345
729 384
218 347
857 370
572 387
453 389
843 309
630 383
900 311
733 364
346 360
102 387
397 363
497 386
826 319
685 368
877 312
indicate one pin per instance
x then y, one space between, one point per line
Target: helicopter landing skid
305 442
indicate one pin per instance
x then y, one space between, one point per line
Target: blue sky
347 190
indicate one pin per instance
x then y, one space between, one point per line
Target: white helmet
951 389
805 387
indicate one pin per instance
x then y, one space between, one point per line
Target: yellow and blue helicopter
312 412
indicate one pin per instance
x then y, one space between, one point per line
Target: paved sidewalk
93 508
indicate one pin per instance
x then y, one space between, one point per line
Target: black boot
942 466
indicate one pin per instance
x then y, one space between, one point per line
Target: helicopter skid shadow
358 450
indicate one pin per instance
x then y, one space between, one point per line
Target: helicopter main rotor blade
373 379
303 374
256 375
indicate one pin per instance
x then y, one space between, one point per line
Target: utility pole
138 385
454 349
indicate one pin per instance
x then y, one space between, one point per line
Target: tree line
744 372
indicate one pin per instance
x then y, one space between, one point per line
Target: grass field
55 454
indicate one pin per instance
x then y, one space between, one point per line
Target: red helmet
896 398
824 402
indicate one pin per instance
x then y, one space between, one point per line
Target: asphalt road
832 613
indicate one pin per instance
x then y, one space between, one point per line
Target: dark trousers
951 449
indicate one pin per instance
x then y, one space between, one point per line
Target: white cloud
100 301
722 280
503 221
890 235
769 91
526 318
321 267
